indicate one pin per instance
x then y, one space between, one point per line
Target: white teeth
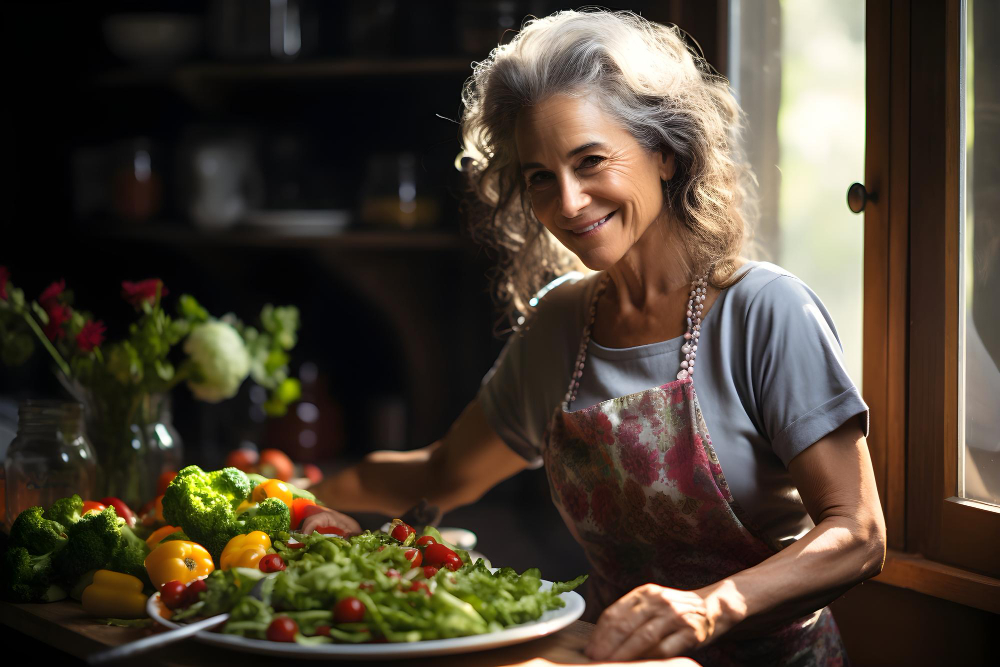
595 225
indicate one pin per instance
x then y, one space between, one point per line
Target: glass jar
49 459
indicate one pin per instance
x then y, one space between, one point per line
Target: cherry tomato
299 506
366 586
271 563
282 629
430 571
323 630
453 562
92 505
275 463
295 545
191 595
425 541
164 481
419 586
437 554
243 459
172 594
414 556
349 610
402 531
121 509
272 488
391 572
330 530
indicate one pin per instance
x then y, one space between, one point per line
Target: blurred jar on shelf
220 177
395 195
136 183
263 29
50 458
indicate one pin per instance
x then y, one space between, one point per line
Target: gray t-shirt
770 381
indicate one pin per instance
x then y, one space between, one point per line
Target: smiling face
590 182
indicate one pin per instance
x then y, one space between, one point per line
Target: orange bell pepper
273 488
178 560
157 535
245 550
114 595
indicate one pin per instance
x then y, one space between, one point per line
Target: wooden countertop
64 626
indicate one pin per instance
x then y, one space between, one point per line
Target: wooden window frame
939 544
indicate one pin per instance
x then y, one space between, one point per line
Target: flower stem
63 366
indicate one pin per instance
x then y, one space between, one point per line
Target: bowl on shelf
153 38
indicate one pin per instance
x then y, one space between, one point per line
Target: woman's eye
539 178
591 161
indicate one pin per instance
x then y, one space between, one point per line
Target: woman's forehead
560 124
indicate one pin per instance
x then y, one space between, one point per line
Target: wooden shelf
177 235
236 72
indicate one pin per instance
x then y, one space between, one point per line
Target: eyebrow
578 149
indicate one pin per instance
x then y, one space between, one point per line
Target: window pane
979 295
798 69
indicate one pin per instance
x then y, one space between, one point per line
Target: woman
600 138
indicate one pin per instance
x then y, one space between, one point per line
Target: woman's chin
598 259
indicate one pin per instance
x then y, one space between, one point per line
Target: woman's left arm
835 479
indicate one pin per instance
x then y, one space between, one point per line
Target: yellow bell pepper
244 506
114 595
272 488
245 550
178 560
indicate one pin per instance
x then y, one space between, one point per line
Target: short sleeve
802 389
502 396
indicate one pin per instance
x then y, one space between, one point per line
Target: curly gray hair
647 78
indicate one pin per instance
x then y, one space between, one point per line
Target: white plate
550 622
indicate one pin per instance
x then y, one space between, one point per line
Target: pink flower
51 293
574 499
58 316
144 290
4 277
90 336
640 462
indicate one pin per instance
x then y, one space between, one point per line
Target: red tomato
299 506
366 586
453 562
349 610
164 481
437 554
330 530
295 545
402 531
312 473
191 595
172 594
271 563
323 630
425 541
243 459
430 571
275 463
414 556
121 509
282 629
92 505
391 572
418 586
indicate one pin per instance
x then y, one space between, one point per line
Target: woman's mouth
599 223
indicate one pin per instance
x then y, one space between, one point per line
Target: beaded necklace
695 306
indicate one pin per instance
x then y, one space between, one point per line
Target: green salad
372 588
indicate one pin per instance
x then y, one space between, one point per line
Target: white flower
221 359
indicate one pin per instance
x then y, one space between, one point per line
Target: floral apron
640 487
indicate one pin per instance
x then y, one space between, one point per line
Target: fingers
330 517
619 621
647 636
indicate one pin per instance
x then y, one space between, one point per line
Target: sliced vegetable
272 563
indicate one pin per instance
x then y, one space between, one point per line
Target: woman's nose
572 198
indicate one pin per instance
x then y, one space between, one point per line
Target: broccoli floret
92 541
28 578
35 533
66 510
271 516
232 483
130 556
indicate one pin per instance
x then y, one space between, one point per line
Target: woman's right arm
453 471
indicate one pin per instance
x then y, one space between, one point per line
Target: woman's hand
653 622
328 517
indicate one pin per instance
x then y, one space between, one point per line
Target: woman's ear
667 165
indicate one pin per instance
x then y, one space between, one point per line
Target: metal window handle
858 197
